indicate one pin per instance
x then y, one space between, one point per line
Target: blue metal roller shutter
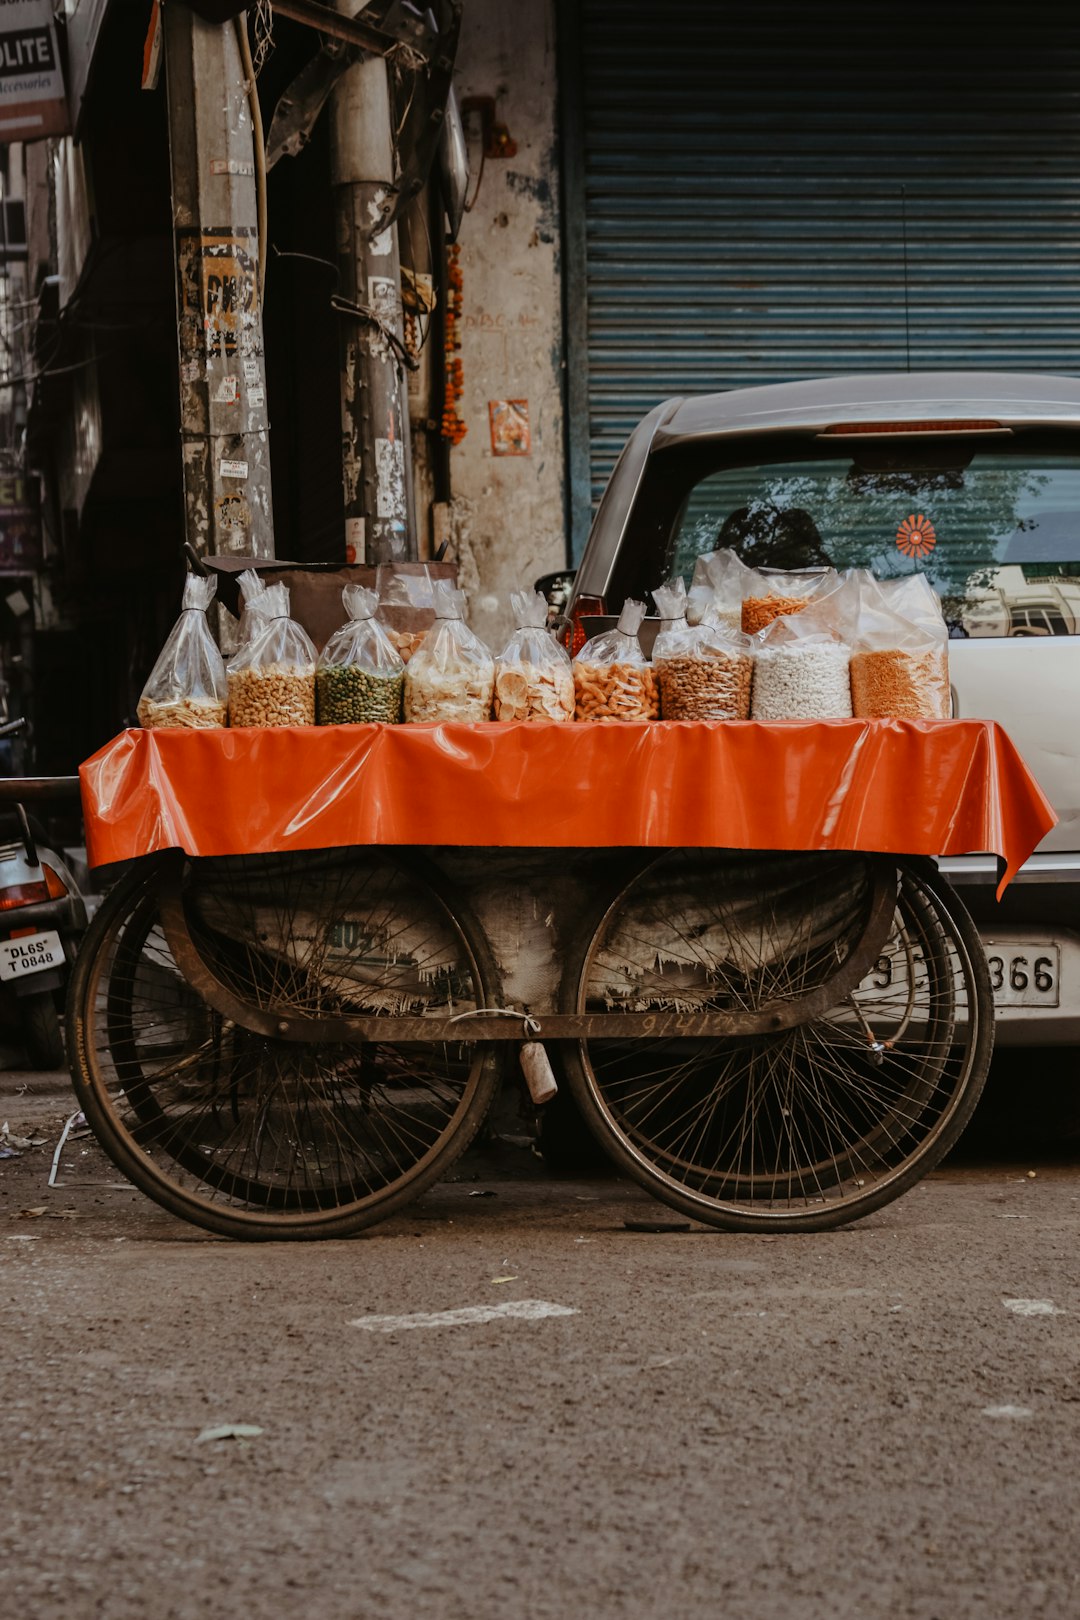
759 184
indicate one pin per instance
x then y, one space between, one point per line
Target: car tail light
573 635
22 894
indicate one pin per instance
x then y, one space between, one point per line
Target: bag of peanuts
900 661
187 684
769 596
252 605
802 667
718 587
703 671
406 607
272 679
534 678
613 680
451 675
359 677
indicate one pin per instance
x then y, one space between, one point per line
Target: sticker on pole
233 469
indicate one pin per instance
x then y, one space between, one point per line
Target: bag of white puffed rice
770 595
451 675
703 670
718 587
900 661
534 678
406 606
613 680
272 679
360 678
802 669
252 606
187 684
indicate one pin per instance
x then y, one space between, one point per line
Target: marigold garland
453 428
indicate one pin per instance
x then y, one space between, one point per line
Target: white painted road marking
1032 1307
528 1310
1007 1411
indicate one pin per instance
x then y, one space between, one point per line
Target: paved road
850 1425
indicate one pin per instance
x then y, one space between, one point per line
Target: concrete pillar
376 464
223 416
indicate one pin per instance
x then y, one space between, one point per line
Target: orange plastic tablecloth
899 786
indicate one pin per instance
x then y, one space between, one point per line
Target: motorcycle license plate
19 958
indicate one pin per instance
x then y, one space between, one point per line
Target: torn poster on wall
510 434
33 103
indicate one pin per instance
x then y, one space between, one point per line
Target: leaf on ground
29 1214
504 1279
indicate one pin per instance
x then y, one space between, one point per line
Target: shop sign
32 99
20 526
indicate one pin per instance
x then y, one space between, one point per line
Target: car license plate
31 954
1025 973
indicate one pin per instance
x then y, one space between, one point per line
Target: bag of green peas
359 677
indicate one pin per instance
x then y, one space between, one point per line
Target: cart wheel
254 1137
813 1125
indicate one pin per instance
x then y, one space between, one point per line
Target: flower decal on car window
915 537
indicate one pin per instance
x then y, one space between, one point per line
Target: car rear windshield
996 530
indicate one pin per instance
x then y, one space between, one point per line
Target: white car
972 478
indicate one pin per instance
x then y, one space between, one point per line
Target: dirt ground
876 1422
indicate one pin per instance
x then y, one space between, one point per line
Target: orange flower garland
453 428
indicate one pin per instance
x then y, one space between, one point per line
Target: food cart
327 945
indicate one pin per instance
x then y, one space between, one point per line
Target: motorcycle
42 919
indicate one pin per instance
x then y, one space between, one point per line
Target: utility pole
376 478
216 214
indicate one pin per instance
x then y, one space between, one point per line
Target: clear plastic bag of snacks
406 607
769 596
613 680
252 607
187 684
900 661
359 677
534 678
451 675
802 668
703 671
717 588
272 679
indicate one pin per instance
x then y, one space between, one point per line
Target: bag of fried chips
534 678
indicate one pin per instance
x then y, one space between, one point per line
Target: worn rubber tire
42 1035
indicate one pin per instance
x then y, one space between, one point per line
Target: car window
997 533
